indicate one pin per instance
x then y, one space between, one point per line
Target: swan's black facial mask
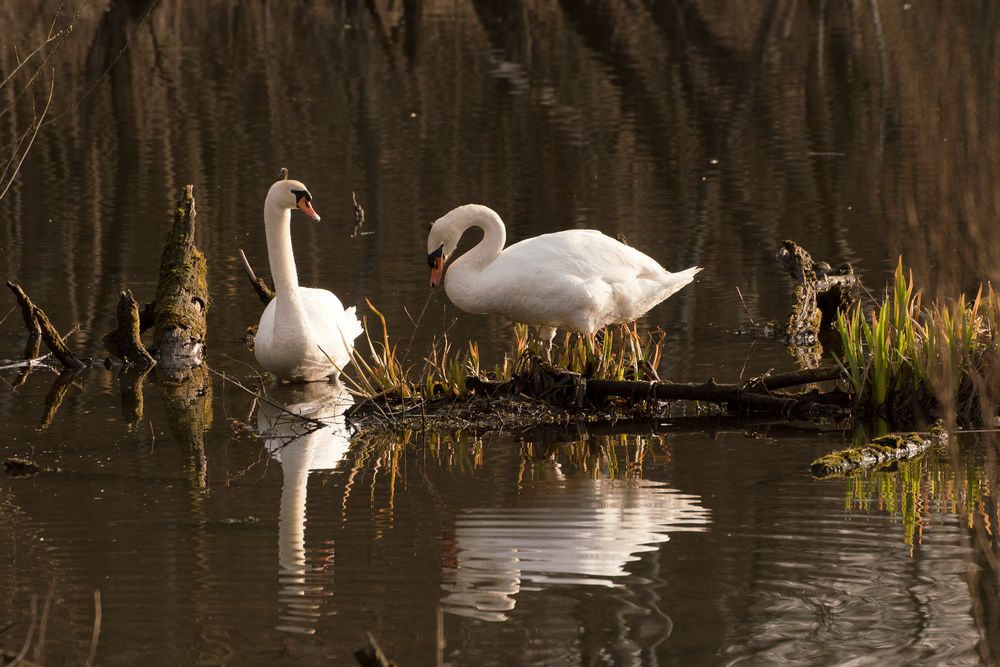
436 261
303 200
434 256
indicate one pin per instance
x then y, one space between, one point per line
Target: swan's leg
545 335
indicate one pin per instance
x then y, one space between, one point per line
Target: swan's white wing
334 327
576 279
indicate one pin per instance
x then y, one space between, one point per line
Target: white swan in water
304 334
578 279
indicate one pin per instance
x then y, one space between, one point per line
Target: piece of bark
182 293
36 317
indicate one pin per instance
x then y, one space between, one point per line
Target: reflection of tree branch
131 383
54 399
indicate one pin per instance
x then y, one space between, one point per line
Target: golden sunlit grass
378 370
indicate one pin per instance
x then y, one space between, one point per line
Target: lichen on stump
182 293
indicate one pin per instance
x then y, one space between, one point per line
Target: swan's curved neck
494 239
277 225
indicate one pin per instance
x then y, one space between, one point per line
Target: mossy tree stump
821 291
182 293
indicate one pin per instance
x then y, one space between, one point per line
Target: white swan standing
304 333
578 279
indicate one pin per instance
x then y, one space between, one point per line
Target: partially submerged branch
263 290
36 320
884 449
547 383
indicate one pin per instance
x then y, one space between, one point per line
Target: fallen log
751 397
881 450
182 293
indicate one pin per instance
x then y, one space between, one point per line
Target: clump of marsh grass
904 361
378 370
620 353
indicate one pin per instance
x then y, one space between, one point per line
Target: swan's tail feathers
350 326
675 281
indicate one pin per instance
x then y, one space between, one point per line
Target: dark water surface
704 134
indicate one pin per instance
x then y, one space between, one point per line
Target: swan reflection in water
302 447
561 531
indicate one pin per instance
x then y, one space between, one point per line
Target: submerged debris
16 466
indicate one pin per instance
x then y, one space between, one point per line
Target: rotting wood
259 285
821 291
881 450
182 293
33 315
125 341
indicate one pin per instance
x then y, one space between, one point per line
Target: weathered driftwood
36 320
892 447
182 293
821 291
125 341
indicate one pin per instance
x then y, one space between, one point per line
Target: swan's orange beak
306 207
437 271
